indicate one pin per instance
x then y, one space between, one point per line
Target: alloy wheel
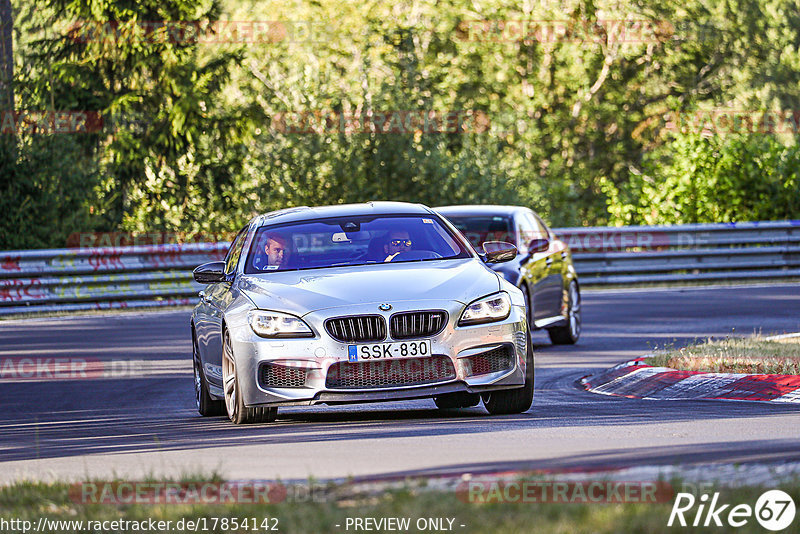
229 378
198 384
574 311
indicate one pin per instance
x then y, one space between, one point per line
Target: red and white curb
637 380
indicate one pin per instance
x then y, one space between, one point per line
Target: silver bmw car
358 303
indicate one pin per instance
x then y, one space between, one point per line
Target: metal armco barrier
681 253
160 275
102 278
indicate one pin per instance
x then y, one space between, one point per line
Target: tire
570 332
516 400
207 406
461 399
238 413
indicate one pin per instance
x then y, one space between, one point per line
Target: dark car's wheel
460 399
513 400
207 406
570 332
234 403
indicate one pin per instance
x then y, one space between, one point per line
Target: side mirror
499 251
210 273
539 245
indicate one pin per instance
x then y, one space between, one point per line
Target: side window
449 242
527 230
232 259
543 230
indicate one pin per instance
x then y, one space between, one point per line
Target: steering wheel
416 255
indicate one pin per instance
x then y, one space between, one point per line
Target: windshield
351 241
481 228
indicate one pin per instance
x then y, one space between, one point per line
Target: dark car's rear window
481 228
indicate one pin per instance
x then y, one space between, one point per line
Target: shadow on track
164 419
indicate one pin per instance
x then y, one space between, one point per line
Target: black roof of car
480 209
305 213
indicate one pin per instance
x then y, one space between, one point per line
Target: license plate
387 351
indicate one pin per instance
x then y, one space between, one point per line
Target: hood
301 292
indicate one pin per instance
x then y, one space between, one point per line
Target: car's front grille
357 328
492 361
390 373
279 376
418 324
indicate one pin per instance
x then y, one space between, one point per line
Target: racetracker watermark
381 368
87 240
49 122
565 31
69 122
201 524
193 32
196 492
19 369
321 122
604 241
717 122
563 492
610 240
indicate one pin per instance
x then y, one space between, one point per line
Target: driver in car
399 241
275 253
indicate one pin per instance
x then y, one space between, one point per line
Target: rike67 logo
774 510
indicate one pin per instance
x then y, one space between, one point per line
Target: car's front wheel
513 400
570 332
234 403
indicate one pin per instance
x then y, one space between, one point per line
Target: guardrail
99 278
681 253
160 275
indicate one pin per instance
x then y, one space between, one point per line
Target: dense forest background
687 112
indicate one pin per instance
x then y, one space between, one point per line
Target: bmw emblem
385 307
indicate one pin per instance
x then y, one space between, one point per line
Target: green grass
755 355
29 501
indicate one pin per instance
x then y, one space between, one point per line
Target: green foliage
577 123
699 179
44 181
165 148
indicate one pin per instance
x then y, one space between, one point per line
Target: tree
167 149
6 56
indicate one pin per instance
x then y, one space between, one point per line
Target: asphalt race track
146 424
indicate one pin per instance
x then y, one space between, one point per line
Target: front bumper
309 360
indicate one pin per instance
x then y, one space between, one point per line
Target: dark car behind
543 270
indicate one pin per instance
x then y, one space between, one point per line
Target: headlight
277 324
487 310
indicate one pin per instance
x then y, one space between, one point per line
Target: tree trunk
6 56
